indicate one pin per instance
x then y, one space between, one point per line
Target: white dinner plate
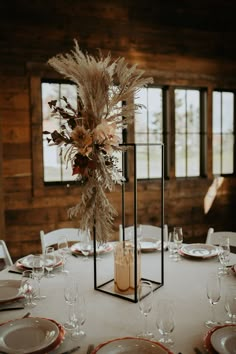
76 248
223 340
131 345
28 335
27 262
9 290
200 250
151 245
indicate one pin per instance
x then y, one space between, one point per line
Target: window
223 133
54 167
148 132
187 132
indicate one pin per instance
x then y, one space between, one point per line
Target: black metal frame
156 285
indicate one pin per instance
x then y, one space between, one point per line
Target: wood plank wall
175 41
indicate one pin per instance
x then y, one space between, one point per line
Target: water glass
63 250
79 317
85 244
172 247
70 296
224 255
38 273
165 321
145 302
27 288
50 261
213 288
178 237
230 304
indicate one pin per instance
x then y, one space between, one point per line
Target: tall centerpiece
88 133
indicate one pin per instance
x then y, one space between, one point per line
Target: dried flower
90 131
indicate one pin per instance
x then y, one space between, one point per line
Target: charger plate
199 250
209 339
9 290
151 245
223 340
32 335
131 345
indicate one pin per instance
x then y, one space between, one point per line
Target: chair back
52 237
214 237
4 253
148 231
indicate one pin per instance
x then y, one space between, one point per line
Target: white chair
148 231
52 237
214 237
4 254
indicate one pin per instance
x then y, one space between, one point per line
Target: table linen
109 317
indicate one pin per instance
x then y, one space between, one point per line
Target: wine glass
79 317
230 304
70 296
224 255
38 273
50 261
27 287
172 247
165 321
213 294
178 239
145 301
85 244
63 251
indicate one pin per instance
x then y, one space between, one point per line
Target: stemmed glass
63 251
50 261
224 255
172 247
213 293
79 317
145 301
28 287
85 244
70 295
230 304
165 321
38 273
178 239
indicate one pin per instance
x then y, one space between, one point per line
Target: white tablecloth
110 317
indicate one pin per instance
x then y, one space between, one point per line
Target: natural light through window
223 133
148 132
187 133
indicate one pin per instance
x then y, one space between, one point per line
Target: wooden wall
182 42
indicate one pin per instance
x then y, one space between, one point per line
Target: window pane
187 132
148 130
223 133
54 166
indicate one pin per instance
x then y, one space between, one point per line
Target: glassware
213 288
79 317
178 239
230 304
63 251
145 301
85 244
70 295
224 255
28 288
165 321
172 247
50 261
38 273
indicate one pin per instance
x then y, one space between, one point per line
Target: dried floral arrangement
89 132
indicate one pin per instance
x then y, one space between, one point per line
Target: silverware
15 271
90 348
26 315
71 350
